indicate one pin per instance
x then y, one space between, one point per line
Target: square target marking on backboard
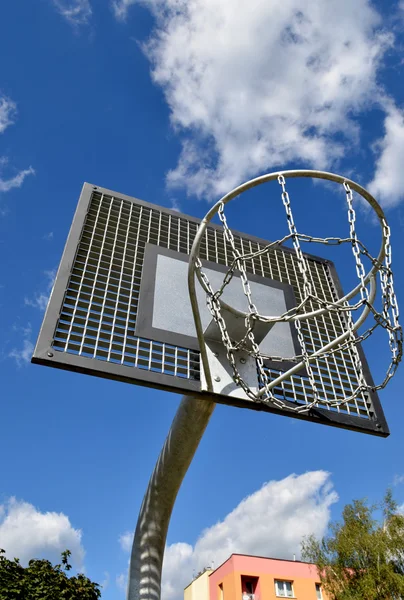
120 309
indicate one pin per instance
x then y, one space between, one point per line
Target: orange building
243 577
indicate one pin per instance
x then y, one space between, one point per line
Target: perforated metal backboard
120 309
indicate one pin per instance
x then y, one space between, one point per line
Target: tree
362 558
43 581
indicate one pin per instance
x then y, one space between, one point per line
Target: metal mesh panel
98 315
90 322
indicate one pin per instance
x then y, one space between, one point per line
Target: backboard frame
45 354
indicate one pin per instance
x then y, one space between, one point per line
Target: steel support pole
188 426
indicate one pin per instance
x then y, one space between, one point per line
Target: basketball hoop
309 308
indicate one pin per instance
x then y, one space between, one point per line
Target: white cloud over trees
26 532
270 522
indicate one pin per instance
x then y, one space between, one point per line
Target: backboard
120 308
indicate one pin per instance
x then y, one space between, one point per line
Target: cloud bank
270 522
256 85
253 86
388 180
27 533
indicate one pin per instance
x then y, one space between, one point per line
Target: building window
284 589
221 595
318 592
249 587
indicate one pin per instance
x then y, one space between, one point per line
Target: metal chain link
304 270
361 273
360 269
303 267
387 319
390 309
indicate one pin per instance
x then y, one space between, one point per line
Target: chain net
386 318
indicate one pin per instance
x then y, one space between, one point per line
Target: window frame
249 582
283 582
319 589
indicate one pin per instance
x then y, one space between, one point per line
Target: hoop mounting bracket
222 374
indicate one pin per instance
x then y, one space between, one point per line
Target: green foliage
361 558
43 581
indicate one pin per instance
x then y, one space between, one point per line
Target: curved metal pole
188 426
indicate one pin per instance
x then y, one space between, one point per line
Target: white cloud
41 299
121 582
26 331
121 7
38 301
50 275
398 479
48 236
13 182
270 522
387 184
105 582
8 111
27 533
175 205
77 12
23 355
260 84
126 541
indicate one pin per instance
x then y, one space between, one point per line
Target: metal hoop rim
311 174
307 173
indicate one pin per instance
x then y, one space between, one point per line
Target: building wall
303 576
199 588
225 576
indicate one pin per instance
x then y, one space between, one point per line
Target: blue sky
176 104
